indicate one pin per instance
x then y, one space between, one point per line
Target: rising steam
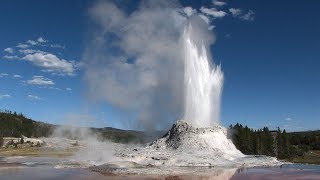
135 62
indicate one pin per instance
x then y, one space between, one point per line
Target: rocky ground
182 150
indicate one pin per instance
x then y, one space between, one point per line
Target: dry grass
312 157
37 151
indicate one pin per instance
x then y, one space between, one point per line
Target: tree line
276 143
13 124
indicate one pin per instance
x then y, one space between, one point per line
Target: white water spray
203 83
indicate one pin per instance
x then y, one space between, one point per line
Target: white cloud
68 89
189 11
213 12
10 57
248 16
228 36
235 12
42 40
40 80
5 96
204 18
54 88
218 3
57 46
30 51
51 63
38 41
32 42
34 97
8 50
3 74
23 46
288 119
17 76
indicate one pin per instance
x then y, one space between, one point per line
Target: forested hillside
277 143
15 125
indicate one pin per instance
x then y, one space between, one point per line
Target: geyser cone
203 83
186 138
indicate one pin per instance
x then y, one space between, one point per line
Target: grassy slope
311 157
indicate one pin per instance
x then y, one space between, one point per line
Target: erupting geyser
197 139
203 84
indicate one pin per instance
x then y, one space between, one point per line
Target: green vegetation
15 125
1 141
294 146
126 136
119 136
249 141
312 157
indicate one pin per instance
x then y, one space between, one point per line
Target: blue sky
270 59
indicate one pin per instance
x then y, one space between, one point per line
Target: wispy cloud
17 76
38 41
3 75
288 119
57 46
23 46
33 97
5 96
8 50
236 12
228 36
10 57
42 40
32 42
204 18
68 89
218 3
249 16
54 88
30 51
213 12
40 80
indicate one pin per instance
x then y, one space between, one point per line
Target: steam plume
135 62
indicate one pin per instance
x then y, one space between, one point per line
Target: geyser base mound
184 137
183 150
185 146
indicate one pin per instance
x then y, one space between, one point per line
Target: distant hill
126 136
15 125
309 140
